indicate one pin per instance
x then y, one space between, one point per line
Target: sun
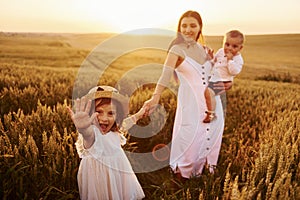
123 16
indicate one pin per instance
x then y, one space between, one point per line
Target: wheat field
260 153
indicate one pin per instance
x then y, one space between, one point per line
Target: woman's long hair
179 38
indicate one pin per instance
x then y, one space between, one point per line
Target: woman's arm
167 73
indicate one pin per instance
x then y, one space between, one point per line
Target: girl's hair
119 108
179 39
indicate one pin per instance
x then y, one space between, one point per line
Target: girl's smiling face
106 117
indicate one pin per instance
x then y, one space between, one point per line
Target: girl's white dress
105 171
194 143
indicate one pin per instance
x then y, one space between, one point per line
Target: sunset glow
90 16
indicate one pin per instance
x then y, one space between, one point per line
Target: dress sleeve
123 140
95 150
127 123
79 146
219 53
177 50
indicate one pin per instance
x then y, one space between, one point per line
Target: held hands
147 109
151 104
130 121
143 112
81 116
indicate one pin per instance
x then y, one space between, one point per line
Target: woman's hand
143 112
223 86
151 104
81 116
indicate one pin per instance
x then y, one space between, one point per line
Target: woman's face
106 116
189 27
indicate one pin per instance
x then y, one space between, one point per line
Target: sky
119 16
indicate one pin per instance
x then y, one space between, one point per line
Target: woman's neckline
189 44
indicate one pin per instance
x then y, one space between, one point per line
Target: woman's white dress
194 143
105 171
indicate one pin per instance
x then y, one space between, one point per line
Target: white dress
105 171
194 143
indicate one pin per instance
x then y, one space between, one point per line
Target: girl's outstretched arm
83 121
131 120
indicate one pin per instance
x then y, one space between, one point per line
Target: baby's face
233 45
106 117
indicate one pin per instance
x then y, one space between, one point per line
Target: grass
259 158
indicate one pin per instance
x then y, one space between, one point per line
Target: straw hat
105 91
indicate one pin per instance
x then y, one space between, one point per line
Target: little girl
104 172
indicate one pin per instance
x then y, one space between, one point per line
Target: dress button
203 72
207 148
203 83
208 139
207 129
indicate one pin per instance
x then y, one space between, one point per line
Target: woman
193 143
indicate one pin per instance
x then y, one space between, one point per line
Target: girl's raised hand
81 116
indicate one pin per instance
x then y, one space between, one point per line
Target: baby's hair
236 33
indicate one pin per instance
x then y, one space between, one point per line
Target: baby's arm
209 53
235 65
131 120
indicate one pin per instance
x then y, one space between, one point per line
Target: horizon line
125 33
